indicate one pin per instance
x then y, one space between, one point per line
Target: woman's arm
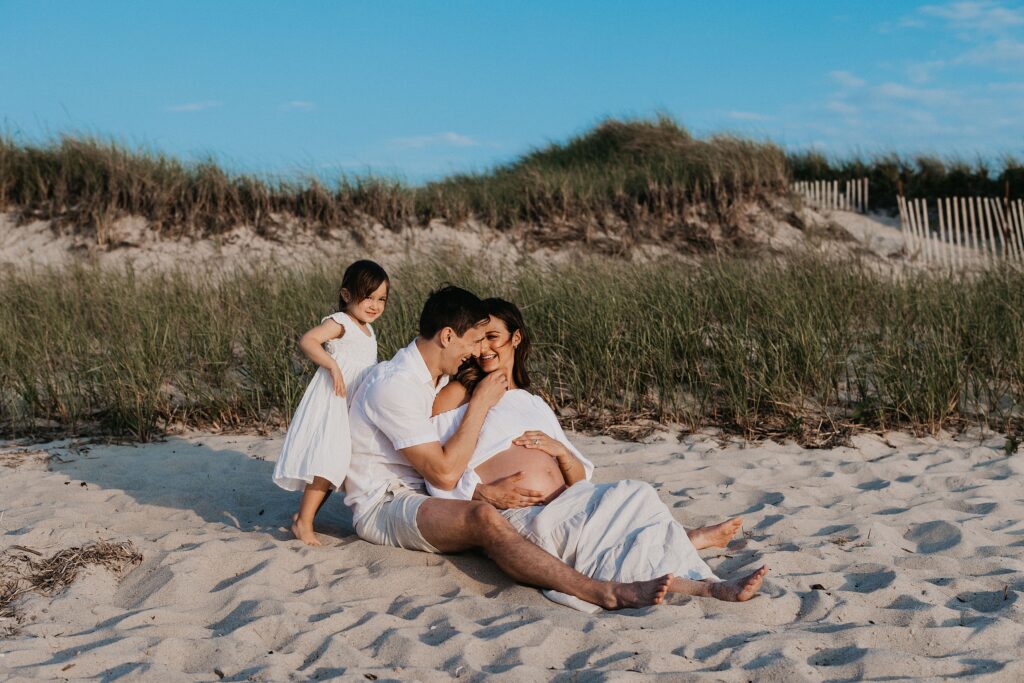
312 344
452 396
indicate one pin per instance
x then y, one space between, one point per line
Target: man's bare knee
485 518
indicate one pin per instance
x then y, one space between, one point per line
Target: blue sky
423 89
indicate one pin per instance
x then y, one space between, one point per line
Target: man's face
459 349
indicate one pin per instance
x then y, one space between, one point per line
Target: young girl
317 449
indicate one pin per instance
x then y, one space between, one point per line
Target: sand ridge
896 557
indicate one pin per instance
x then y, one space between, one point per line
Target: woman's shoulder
451 396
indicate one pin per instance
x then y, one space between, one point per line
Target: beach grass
922 176
803 347
629 177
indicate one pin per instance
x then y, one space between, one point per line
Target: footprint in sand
933 537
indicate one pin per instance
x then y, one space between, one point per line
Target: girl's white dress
318 443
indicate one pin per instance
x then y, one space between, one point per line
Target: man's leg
455 525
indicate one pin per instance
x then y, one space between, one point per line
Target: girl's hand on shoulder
542 442
339 380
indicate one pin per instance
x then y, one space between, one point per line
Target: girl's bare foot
739 590
638 593
303 531
717 536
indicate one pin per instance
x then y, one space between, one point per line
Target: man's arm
443 466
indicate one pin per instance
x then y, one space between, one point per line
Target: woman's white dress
614 532
318 443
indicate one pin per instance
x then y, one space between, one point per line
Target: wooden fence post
908 228
933 248
975 245
988 229
947 253
1006 250
1018 207
954 227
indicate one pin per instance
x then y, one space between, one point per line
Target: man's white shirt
390 411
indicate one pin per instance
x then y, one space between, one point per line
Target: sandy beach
896 557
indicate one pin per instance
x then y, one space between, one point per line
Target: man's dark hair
452 307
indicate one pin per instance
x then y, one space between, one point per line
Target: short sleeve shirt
390 411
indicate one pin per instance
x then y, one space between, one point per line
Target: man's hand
504 494
490 390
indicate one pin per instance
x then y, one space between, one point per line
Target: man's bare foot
717 536
303 531
739 590
638 593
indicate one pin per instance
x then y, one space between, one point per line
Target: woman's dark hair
471 373
361 279
452 307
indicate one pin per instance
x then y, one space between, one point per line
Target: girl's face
370 308
499 347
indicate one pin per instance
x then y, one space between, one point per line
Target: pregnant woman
619 531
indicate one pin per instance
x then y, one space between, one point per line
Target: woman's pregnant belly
540 471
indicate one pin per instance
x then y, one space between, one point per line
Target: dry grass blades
21 572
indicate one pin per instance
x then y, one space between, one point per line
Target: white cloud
195 106
845 78
747 116
1003 52
977 16
904 93
448 139
840 107
922 72
299 105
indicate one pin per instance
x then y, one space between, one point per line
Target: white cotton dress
618 531
318 443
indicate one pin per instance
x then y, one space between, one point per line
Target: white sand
917 546
40 244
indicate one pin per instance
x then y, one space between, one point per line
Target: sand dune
897 557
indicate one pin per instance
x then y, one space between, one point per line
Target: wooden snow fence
963 232
834 195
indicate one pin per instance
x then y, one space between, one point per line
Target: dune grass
920 176
633 177
803 347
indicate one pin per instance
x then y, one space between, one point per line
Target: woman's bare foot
638 593
717 536
303 531
739 590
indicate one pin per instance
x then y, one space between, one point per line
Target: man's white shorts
392 520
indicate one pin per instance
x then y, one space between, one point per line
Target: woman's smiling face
499 347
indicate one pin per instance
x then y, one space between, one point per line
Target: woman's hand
542 442
339 380
504 494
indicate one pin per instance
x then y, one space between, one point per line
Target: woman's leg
715 536
736 590
312 498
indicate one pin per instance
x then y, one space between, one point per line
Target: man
395 447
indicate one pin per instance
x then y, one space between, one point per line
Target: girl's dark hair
361 279
471 373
